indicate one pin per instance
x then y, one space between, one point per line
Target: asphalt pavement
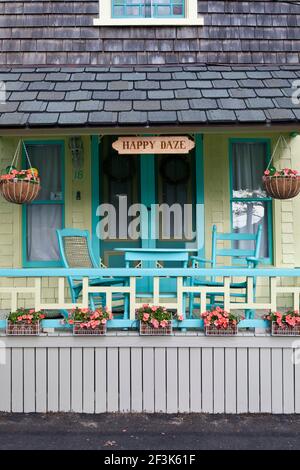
114 432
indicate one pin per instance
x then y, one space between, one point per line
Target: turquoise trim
134 324
95 182
148 197
230 271
199 189
267 200
40 264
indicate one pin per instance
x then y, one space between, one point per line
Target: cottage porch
70 142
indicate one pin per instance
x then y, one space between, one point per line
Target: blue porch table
156 254
148 257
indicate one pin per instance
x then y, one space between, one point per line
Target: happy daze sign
171 144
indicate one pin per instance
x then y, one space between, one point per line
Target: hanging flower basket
20 187
19 191
282 184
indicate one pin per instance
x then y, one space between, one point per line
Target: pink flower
154 309
146 317
164 323
267 173
20 318
145 305
155 323
110 316
180 317
103 321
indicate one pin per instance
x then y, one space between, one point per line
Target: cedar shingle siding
62 32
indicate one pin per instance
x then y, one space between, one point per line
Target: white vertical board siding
100 380
17 379
136 380
265 380
88 380
159 375
53 379
76 380
124 376
64 379
41 380
29 380
5 383
230 380
160 380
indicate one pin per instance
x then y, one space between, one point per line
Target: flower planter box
277 330
98 331
22 329
211 330
148 330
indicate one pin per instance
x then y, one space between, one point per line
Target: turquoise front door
172 182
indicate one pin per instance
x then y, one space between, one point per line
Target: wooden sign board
138 145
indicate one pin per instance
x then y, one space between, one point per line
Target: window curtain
44 219
248 165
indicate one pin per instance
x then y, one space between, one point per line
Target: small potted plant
155 320
218 322
24 322
285 324
281 184
87 322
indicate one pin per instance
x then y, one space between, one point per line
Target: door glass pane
47 159
42 222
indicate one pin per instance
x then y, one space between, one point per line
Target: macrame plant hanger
282 145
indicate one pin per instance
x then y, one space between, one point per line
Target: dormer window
148 9
148 13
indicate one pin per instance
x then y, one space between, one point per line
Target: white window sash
191 18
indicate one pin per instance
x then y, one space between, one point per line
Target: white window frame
191 17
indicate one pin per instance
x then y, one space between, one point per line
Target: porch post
95 193
199 185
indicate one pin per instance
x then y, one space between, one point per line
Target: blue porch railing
275 290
